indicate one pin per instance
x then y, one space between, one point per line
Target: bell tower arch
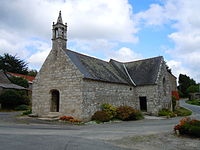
59 34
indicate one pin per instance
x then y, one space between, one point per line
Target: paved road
67 137
195 109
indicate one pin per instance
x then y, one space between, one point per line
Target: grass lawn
182 112
194 102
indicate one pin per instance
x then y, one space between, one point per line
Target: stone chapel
73 84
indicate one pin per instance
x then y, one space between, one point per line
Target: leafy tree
19 81
193 89
13 64
184 83
32 73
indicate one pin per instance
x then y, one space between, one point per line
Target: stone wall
173 82
159 95
164 88
58 73
96 93
150 92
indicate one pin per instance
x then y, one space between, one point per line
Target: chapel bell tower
59 34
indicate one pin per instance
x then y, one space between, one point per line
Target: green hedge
109 112
10 99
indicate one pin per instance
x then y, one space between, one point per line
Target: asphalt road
195 109
18 136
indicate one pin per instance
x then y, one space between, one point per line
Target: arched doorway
55 98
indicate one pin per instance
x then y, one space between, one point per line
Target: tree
184 83
193 89
13 64
19 81
32 73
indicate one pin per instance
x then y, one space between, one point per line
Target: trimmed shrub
22 107
12 98
27 112
137 115
166 112
101 116
110 110
188 126
128 113
195 131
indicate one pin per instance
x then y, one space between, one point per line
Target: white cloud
155 15
124 54
92 24
183 16
177 67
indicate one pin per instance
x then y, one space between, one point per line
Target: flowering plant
66 118
75 120
188 126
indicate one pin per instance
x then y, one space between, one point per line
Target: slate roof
6 83
142 72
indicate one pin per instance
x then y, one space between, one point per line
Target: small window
130 89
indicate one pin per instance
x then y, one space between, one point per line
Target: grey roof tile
142 72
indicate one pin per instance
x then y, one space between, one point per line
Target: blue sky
124 30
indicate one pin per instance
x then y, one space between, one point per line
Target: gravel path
163 140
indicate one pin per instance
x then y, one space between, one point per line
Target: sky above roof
124 30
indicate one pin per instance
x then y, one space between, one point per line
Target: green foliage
195 131
194 102
189 126
27 112
184 83
13 64
22 107
180 94
184 129
137 115
101 116
166 112
193 89
19 81
32 73
182 112
110 110
12 98
128 113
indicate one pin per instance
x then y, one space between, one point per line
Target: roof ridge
85 55
144 59
137 60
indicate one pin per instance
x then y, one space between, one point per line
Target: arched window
55 100
56 32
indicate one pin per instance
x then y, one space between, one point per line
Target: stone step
48 119
51 115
